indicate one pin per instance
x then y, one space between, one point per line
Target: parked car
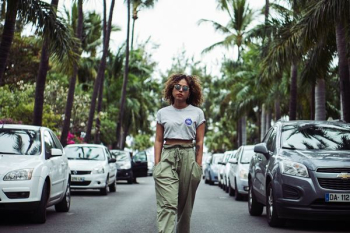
92 167
34 171
130 167
231 154
150 160
238 176
205 160
212 169
301 170
221 169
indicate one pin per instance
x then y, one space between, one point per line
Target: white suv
34 171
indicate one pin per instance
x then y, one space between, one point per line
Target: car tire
255 208
131 178
104 190
64 204
238 196
231 192
39 215
210 181
113 187
271 211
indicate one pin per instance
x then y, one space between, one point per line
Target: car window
107 153
271 141
267 135
140 156
20 142
49 144
120 155
247 156
85 153
217 158
313 136
57 142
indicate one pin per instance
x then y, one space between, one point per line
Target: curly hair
196 96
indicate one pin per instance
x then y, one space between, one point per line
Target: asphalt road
132 209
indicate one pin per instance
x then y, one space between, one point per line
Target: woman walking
178 151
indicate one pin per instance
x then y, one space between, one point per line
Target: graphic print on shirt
188 121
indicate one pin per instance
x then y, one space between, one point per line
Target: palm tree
125 82
72 81
43 16
100 73
137 5
241 16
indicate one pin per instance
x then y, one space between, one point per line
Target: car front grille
80 172
334 170
17 195
80 183
335 184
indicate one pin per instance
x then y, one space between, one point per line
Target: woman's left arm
199 143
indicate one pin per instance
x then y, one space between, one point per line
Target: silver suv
301 170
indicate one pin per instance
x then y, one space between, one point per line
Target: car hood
84 165
14 162
313 159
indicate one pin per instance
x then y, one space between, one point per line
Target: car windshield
315 137
121 155
217 158
85 153
247 155
20 142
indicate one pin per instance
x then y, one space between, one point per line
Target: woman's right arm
158 143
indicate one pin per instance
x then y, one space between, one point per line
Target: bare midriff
177 141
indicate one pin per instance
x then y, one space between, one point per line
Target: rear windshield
315 137
20 142
85 153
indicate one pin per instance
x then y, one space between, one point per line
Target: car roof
301 122
21 126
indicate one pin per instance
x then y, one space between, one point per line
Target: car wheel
255 208
39 215
210 181
64 205
238 196
271 212
131 178
104 190
113 187
231 192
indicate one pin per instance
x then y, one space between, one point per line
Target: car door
234 167
262 163
139 164
54 166
112 166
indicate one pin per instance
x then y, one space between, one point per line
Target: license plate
337 197
79 179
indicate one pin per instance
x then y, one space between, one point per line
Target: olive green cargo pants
177 177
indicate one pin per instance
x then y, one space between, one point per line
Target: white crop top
180 123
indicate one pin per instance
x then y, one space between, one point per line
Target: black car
130 167
301 170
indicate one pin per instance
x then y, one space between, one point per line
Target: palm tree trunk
293 92
320 100
7 36
277 109
262 122
343 70
268 120
41 79
100 74
312 104
239 132
72 81
244 130
125 81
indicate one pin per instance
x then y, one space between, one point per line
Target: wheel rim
250 195
270 203
68 195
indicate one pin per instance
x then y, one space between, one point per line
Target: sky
173 26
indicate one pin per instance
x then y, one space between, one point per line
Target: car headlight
294 169
21 174
243 174
125 166
98 170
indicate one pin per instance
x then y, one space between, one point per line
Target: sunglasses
178 87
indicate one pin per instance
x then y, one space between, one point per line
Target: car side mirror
233 161
55 152
112 160
261 148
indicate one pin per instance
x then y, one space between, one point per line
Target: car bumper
93 181
242 186
124 174
304 198
20 195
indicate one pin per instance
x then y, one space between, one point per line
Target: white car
34 171
238 176
231 154
92 167
221 170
